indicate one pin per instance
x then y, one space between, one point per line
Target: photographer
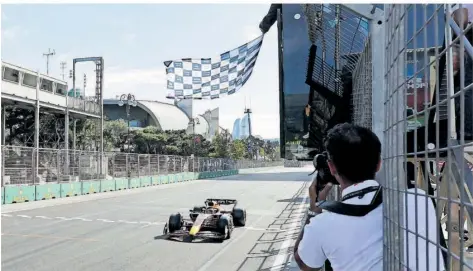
350 243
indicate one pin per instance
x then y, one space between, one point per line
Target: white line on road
226 247
269 230
282 257
42 216
81 219
105 220
144 223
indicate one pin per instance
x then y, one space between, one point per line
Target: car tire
239 217
175 222
223 226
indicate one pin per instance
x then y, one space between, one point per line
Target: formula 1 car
215 220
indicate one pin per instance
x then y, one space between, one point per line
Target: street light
193 122
128 100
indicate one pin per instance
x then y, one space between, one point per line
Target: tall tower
248 113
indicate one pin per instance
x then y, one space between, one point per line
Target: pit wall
27 193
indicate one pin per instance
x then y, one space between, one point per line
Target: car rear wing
223 201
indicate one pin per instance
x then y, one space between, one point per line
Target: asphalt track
122 230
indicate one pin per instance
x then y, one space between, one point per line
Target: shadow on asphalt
297 176
294 200
269 245
187 241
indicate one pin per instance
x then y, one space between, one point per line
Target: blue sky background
135 39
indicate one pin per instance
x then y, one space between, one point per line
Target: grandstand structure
165 116
42 94
36 109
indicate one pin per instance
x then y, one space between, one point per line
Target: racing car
215 220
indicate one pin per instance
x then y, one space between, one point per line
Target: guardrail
30 174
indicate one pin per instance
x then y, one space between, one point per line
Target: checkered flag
212 78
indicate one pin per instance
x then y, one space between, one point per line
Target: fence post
79 165
3 164
126 166
32 166
139 166
159 165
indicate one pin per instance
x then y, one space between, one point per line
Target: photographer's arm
309 248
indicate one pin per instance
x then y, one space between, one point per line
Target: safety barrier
26 193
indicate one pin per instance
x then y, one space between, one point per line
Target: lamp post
193 122
128 100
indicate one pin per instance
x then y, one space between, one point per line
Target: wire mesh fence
429 119
362 90
25 166
421 107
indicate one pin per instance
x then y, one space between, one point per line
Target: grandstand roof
166 116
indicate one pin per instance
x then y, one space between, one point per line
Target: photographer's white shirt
356 243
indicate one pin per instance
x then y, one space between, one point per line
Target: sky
135 39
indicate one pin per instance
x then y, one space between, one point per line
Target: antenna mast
48 55
63 67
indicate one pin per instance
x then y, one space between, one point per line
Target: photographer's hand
314 197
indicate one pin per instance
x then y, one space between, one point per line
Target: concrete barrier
134 183
145 181
155 180
71 189
48 191
25 193
107 185
19 194
164 179
255 170
90 187
121 183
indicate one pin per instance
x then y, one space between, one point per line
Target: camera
323 171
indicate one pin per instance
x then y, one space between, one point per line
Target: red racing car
215 220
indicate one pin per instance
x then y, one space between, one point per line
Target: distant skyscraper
236 129
244 127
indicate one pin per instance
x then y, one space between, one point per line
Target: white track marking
64 218
81 219
269 230
105 220
146 223
234 240
282 257
226 247
42 216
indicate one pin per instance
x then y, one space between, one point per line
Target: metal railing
30 166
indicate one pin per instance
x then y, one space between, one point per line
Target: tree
238 149
220 148
19 130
